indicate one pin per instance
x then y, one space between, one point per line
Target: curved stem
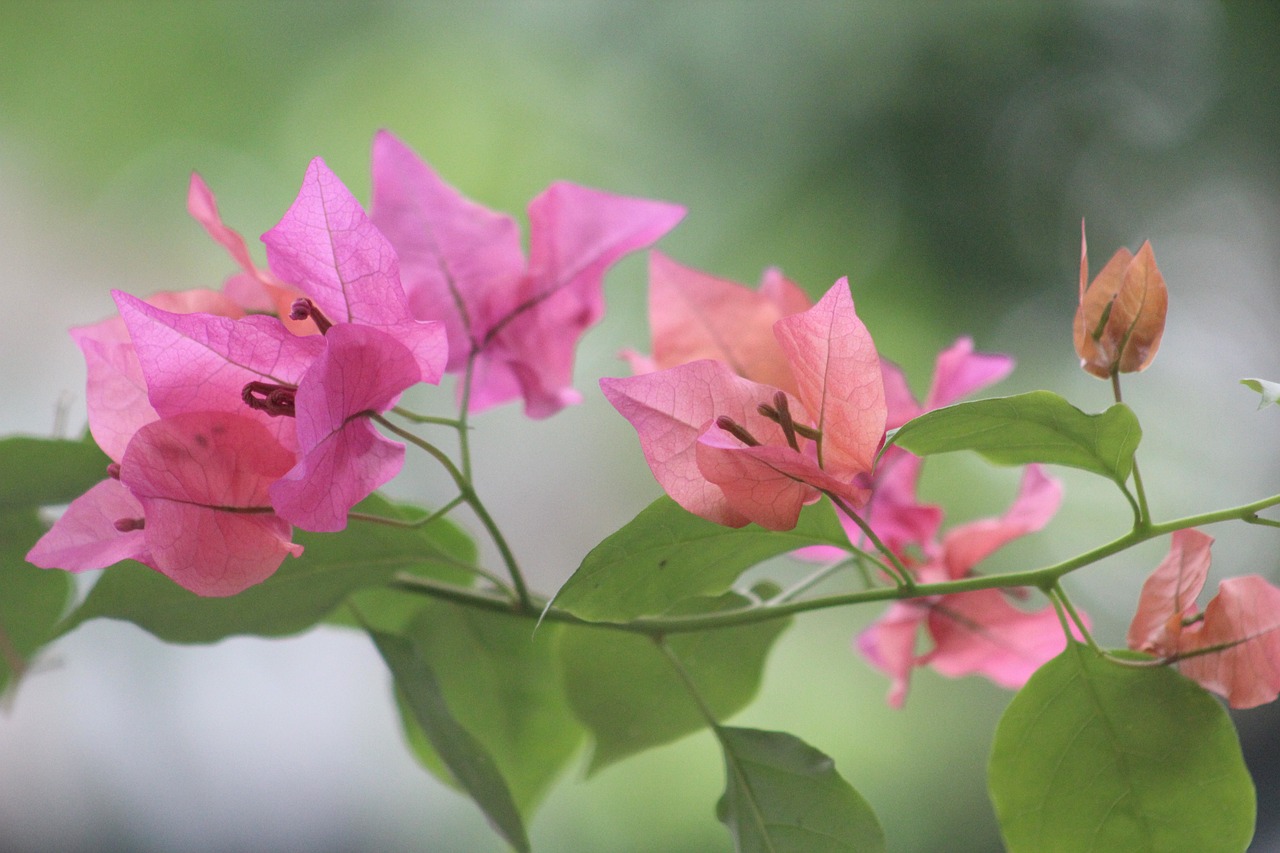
468 494
425 419
901 576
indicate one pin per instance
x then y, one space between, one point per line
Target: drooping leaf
31 600
1038 426
1270 391
1092 755
467 759
666 555
623 688
504 681
784 796
301 593
38 472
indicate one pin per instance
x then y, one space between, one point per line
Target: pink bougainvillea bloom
719 456
116 392
328 248
343 457
190 501
463 265
1120 318
253 288
202 362
693 316
86 536
976 632
1233 647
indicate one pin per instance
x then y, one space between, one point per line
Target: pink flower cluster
233 417
754 404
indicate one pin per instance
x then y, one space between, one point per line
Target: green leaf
31 600
467 760
622 687
35 472
45 471
783 796
1092 755
666 555
1270 391
301 593
1038 426
503 680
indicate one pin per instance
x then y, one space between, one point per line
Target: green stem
400 522
1142 512
1060 597
468 494
901 576
426 419
1044 578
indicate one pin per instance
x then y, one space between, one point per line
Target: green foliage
35 472
301 593
1092 755
1038 426
467 760
783 796
623 688
504 681
666 555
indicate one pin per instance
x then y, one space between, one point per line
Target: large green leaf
503 680
46 471
1039 426
1095 756
783 796
302 592
35 472
466 758
623 688
31 600
666 555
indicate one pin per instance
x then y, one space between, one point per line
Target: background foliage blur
940 155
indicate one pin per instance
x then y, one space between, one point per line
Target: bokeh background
941 155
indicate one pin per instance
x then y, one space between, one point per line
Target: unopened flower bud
1120 319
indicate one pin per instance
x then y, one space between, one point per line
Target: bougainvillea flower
1120 319
976 632
343 458
202 362
462 264
327 247
693 316
732 451
253 288
116 392
86 536
190 501
1233 647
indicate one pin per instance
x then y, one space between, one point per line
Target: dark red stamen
275 400
126 525
304 308
736 430
113 470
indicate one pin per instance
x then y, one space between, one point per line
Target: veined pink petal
457 258
838 373
767 485
199 362
889 644
960 371
1169 595
1246 614
86 536
328 247
966 545
575 235
670 409
981 632
202 479
344 458
693 315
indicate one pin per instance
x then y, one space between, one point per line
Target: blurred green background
941 155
